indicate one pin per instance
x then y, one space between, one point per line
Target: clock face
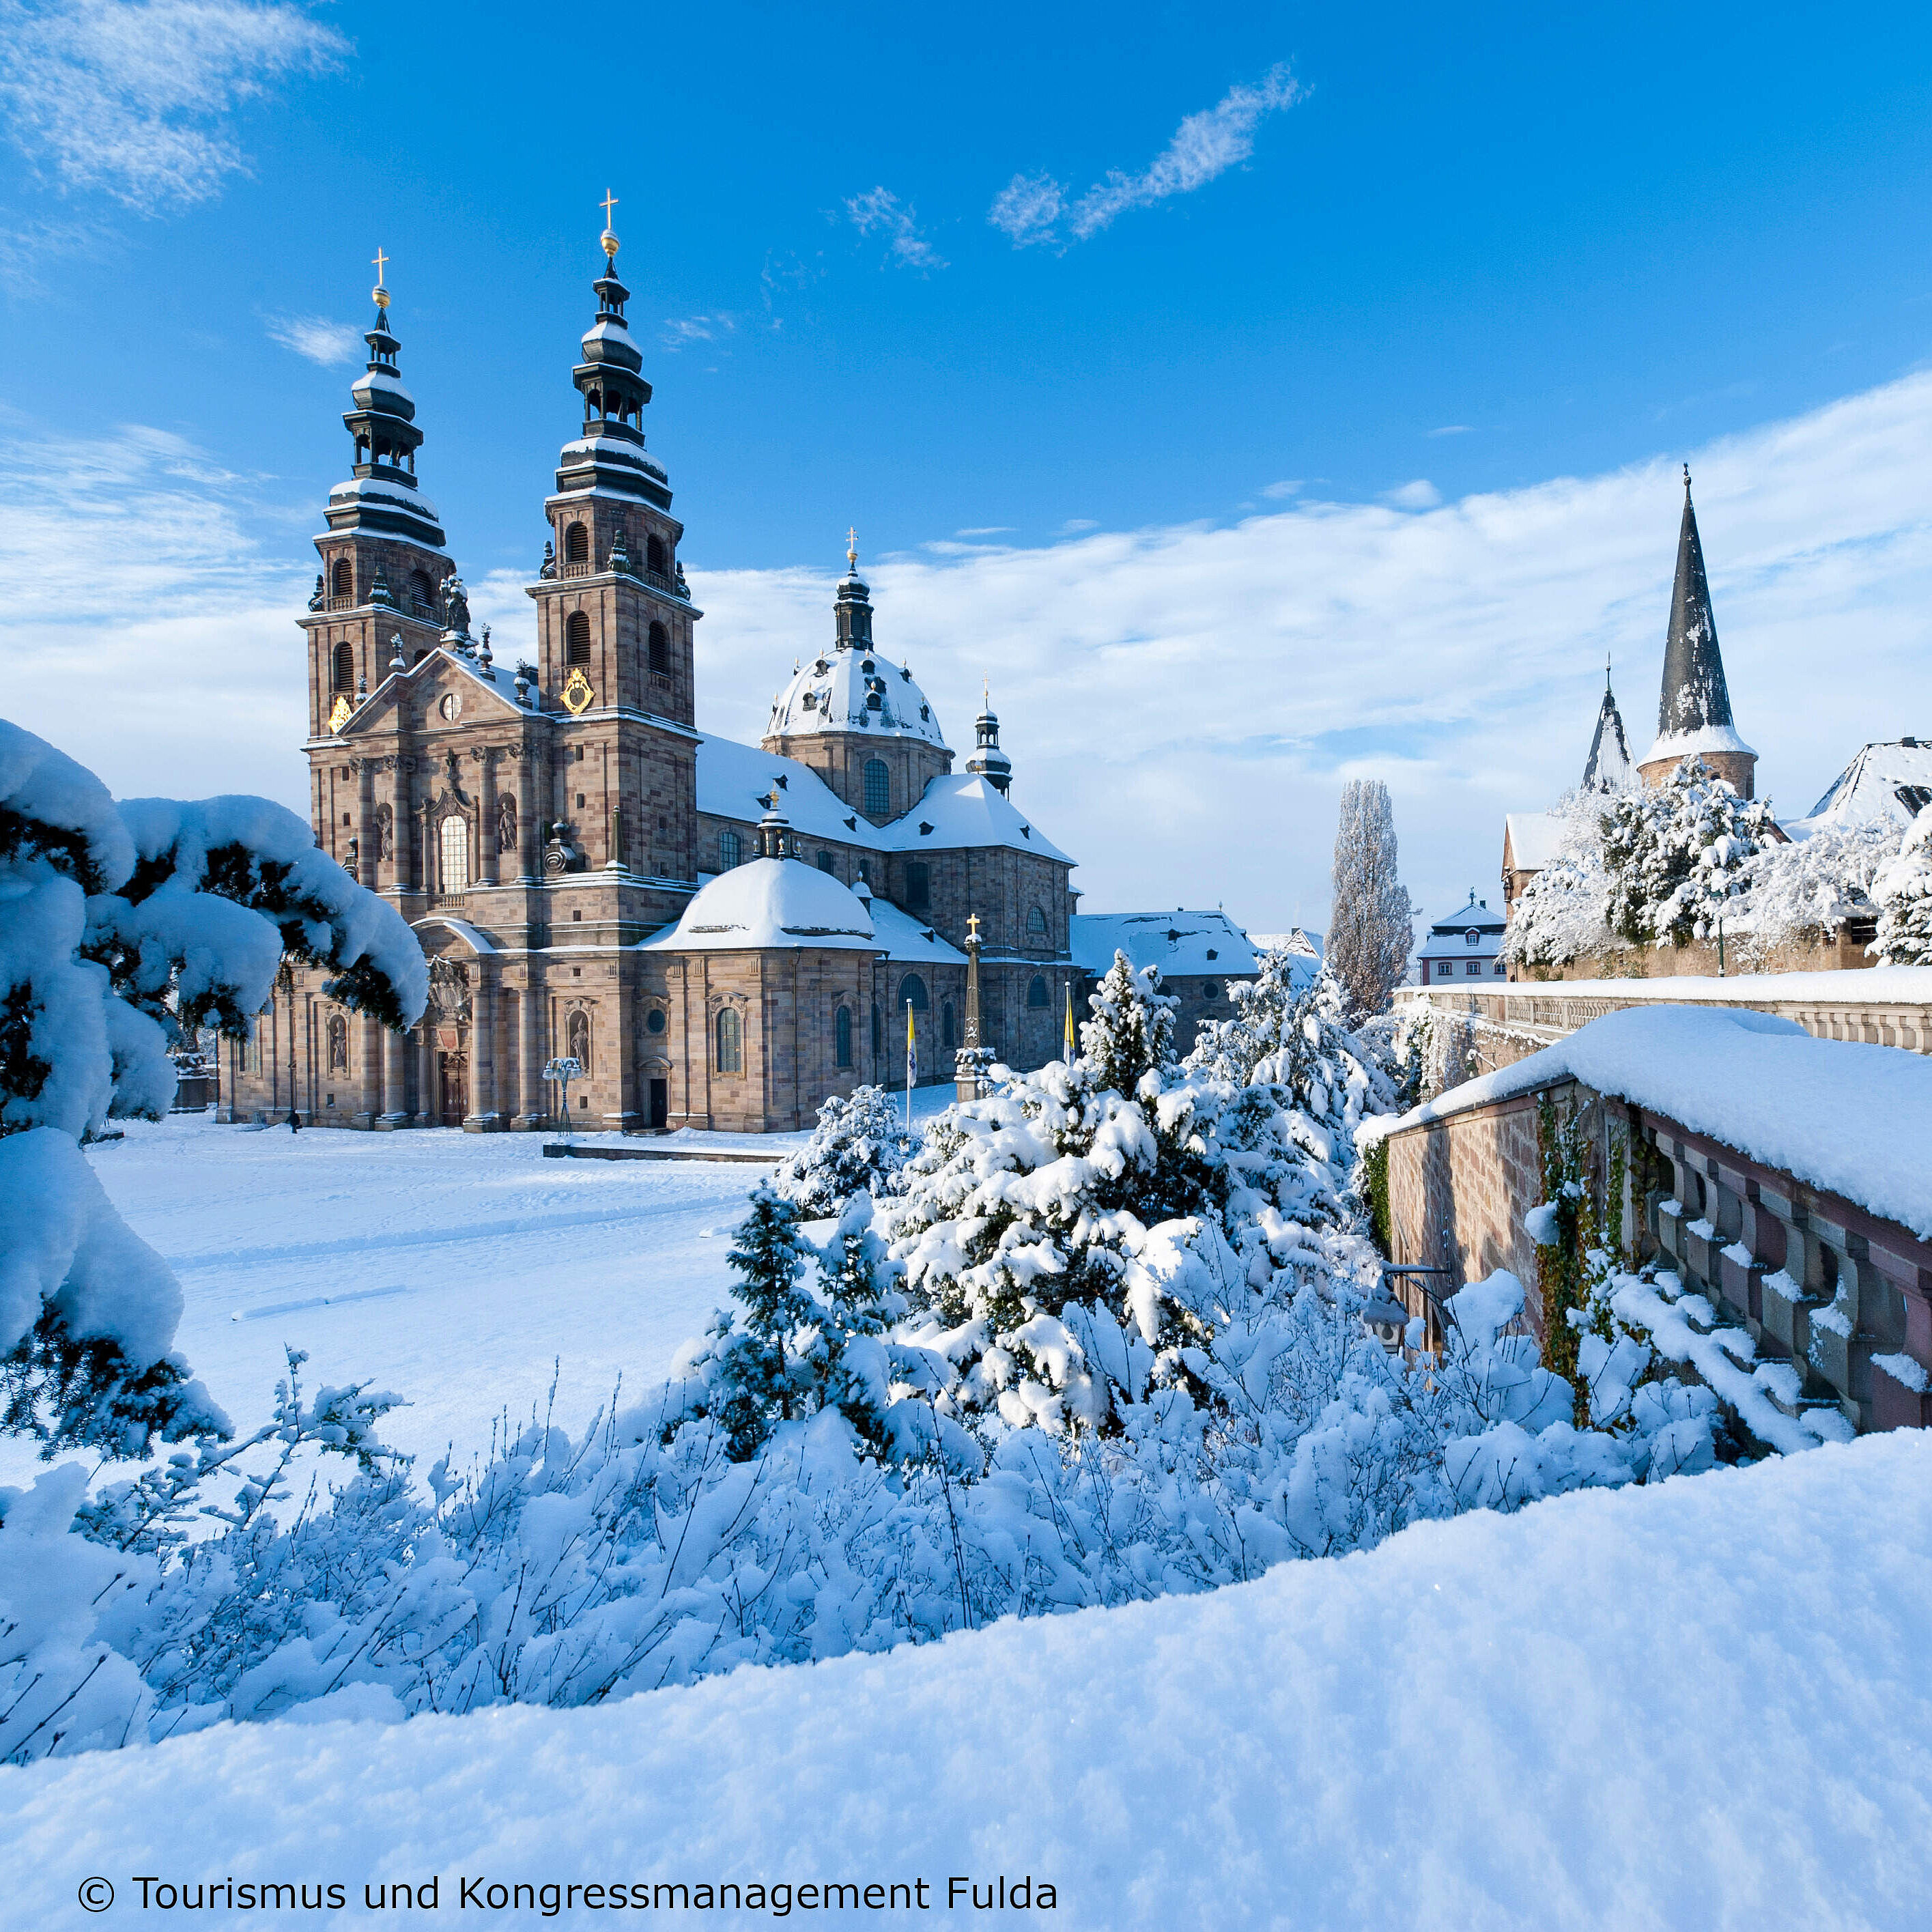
451 707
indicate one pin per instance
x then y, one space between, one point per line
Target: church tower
384 556
1609 767
1694 712
615 620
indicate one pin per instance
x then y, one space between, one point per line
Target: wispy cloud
986 530
1031 208
680 331
878 210
1074 526
1289 486
134 97
331 344
1449 429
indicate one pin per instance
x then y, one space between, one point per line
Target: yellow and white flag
1069 1023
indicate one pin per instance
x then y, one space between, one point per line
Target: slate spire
1695 696
1610 765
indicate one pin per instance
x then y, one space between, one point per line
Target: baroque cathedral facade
720 935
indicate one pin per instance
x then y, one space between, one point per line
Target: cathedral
718 935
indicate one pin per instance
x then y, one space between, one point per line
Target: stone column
486 840
530 833
369 1061
365 821
403 826
482 1107
395 1082
530 1054
429 1091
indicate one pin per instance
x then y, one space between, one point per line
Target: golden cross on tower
973 929
852 548
381 261
609 237
379 292
609 202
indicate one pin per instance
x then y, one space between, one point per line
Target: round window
452 707
1210 990
654 1020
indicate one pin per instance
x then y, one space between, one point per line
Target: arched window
878 1033
576 544
338 1044
344 674
341 578
946 1021
577 636
654 554
660 648
454 839
731 1042
878 789
912 993
825 864
842 1030
729 847
1035 922
1036 993
576 1038
919 882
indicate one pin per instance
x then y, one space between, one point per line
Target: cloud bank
1030 208
1181 703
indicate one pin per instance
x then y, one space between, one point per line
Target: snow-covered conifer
123 926
1903 891
858 1144
1372 924
1677 858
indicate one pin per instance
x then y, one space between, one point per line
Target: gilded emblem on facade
339 713
577 695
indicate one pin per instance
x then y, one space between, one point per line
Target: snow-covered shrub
1903 892
1676 858
122 929
1559 915
1796 891
858 1145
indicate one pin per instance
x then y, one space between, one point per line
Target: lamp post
285 983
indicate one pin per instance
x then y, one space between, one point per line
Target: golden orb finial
609 237
380 293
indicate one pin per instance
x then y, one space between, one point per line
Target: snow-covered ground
1701 1705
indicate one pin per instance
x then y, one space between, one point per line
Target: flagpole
912 1055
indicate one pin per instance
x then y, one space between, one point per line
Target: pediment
420 697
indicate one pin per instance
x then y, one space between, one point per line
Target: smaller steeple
775 834
988 761
1609 767
852 610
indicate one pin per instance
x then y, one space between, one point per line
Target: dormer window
1472 937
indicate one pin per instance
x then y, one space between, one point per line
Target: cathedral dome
771 902
851 689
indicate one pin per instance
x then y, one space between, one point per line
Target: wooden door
455 1068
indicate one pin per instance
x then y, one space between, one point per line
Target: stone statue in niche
506 824
385 833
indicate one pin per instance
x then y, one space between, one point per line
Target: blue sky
1312 272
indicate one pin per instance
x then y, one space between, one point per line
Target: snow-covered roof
770 904
901 936
378 494
1854 1119
1533 839
961 808
379 381
1181 943
611 452
1892 780
1449 938
1695 744
955 810
854 689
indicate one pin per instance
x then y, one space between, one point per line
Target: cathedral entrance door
454 1070
660 1104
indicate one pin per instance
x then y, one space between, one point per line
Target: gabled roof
962 808
1889 780
494 684
1530 840
1449 937
1181 943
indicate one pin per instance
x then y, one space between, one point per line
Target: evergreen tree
1372 924
1677 858
859 1145
1903 891
756 1376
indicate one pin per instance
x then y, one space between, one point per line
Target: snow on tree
1559 915
1371 925
125 928
1814 886
859 1145
1676 858
1903 892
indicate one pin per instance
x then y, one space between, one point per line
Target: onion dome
610 454
853 687
383 495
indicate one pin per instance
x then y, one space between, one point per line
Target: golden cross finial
973 929
985 694
381 261
380 293
852 548
609 202
609 236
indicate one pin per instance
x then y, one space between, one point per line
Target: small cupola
774 839
988 761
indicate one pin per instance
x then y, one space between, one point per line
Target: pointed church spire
383 497
1609 767
1694 711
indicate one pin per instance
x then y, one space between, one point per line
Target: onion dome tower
1694 712
1609 767
856 717
384 556
988 761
